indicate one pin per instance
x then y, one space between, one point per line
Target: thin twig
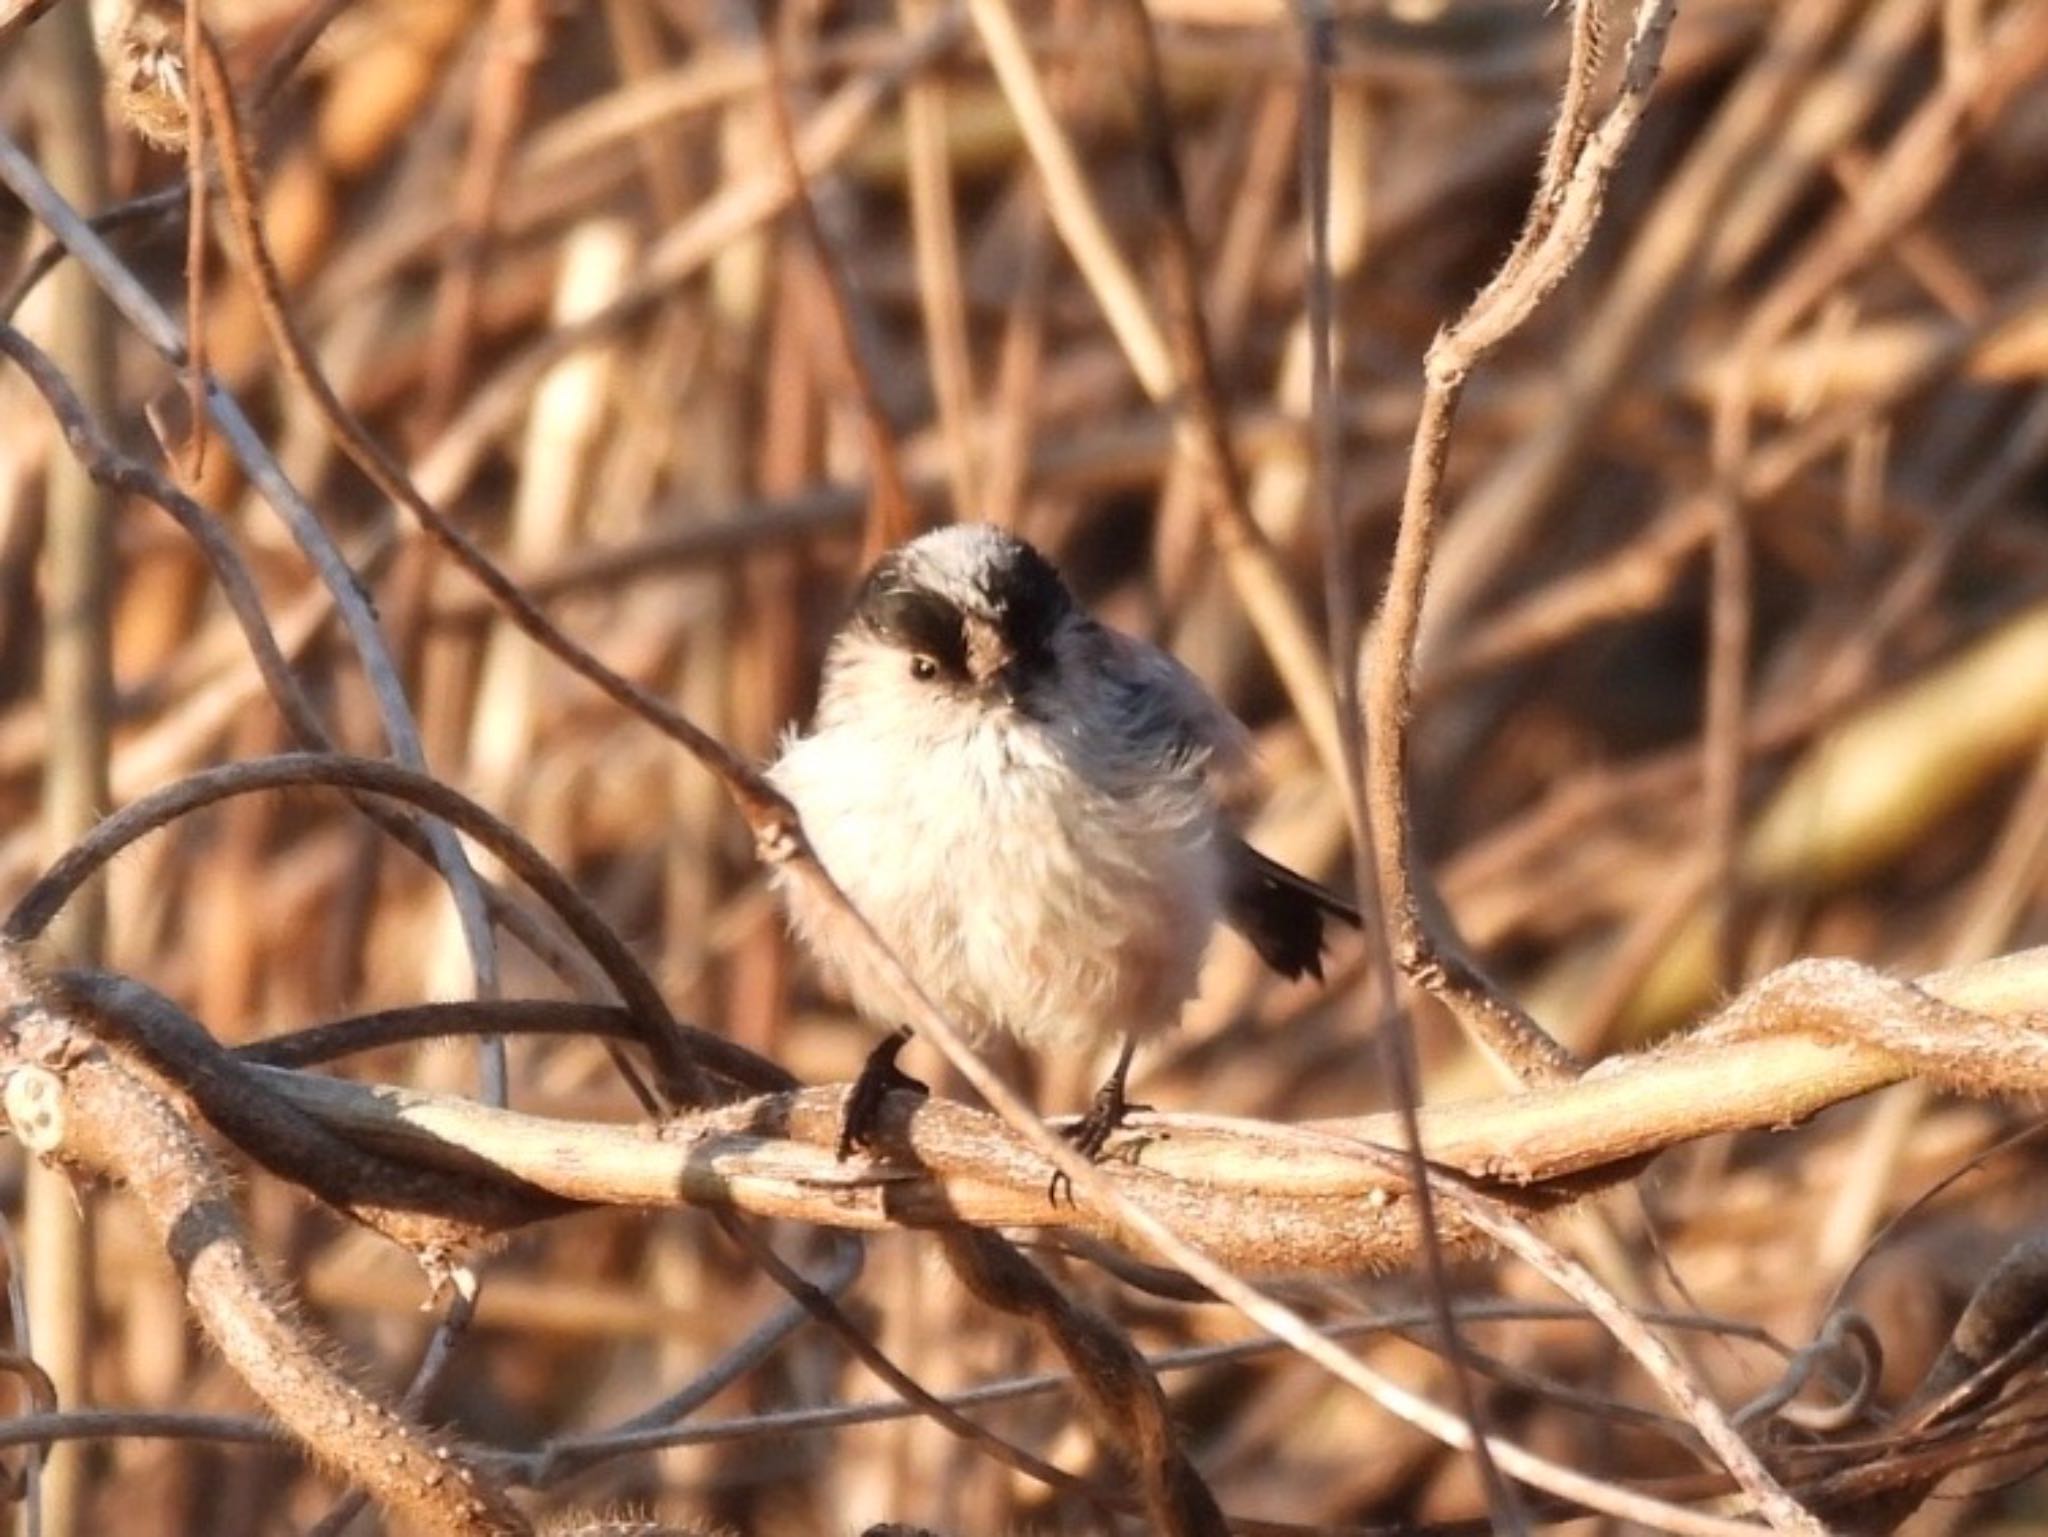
141 310
1394 1029
35 908
120 473
1562 216
197 232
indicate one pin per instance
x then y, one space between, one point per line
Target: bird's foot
1091 1134
879 1078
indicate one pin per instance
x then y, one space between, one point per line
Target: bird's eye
923 668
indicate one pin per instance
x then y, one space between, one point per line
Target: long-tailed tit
1024 803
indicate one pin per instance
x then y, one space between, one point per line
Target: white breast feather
1022 898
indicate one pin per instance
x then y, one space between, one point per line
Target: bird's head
954 626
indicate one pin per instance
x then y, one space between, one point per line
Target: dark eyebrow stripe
918 621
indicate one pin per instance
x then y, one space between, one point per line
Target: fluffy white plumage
1052 865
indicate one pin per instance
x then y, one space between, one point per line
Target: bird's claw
879 1078
1091 1134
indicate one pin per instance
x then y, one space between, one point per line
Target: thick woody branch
1807 1035
72 1103
1330 1197
436 1214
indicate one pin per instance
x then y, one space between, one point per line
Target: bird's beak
1012 681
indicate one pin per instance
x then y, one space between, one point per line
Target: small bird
1028 807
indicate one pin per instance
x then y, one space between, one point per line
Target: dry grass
1720 464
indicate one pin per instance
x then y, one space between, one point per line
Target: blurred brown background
543 250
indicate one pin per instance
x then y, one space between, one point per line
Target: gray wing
1282 913
1166 704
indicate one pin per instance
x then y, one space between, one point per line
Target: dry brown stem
78 572
892 516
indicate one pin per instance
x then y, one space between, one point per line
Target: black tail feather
1282 913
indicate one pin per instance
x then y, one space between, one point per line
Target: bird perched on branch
1027 806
